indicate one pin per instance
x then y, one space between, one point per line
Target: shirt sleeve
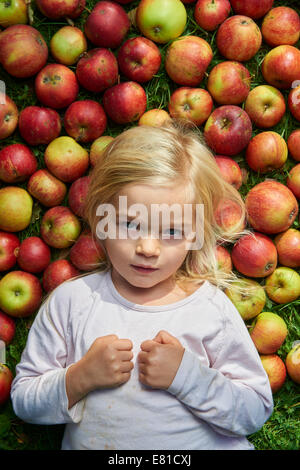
233 395
38 390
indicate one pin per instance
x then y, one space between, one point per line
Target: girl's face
165 255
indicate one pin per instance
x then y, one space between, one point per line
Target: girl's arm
50 387
233 395
38 391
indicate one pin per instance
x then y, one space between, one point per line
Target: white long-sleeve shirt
219 395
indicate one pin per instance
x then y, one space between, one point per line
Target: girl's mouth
143 270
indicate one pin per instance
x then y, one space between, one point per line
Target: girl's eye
173 231
133 226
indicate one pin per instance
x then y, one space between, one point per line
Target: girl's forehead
178 192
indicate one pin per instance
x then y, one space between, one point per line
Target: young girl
147 352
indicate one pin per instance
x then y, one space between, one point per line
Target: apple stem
89 11
29 11
68 20
132 17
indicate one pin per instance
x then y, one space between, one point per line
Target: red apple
56 86
268 332
223 259
254 255
46 188
288 248
230 170
107 24
15 208
98 147
229 217
161 22
13 12
255 8
97 70
293 144
187 59
265 106
38 125
6 378
8 243
67 45
8 116
283 285
229 82
154 117
228 130
275 368
293 180
194 104
292 362
86 253
66 159
60 228
33 255
271 207
251 301
209 14
77 195
23 51
139 59
17 163
7 328
281 26
20 294
58 9
125 102
294 101
57 272
266 151
85 120
239 38
281 65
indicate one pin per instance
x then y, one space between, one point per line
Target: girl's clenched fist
159 360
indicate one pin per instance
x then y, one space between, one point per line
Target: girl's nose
148 247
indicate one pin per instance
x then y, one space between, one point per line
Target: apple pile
67 95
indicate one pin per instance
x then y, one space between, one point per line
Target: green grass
281 431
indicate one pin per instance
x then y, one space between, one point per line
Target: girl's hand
159 360
106 364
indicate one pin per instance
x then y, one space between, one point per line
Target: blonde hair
174 152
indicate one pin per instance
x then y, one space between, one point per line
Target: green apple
248 297
13 12
161 21
67 44
98 147
60 228
283 285
66 159
268 331
15 208
20 293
